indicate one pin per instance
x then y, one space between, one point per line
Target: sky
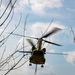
41 14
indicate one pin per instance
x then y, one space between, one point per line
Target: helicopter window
38 53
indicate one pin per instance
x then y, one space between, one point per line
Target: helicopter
38 53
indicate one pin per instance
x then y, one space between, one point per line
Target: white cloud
27 70
39 26
52 50
38 29
70 57
1 30
21 4
36 6
40 5
47 70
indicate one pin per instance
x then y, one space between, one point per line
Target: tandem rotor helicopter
37 52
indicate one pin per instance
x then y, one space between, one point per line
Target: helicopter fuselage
37 57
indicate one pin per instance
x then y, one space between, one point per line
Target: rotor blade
51 32
56 53
52 43
25 51
31 43
21 35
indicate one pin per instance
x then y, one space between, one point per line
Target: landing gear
42 65
30 64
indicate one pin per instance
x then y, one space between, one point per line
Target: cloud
34 6
39 26
52 50
47 70
38 29
5 3
21 4
37 6
70 57
1 30
27 70
40 5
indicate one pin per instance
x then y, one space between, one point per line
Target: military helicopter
37 53
37 56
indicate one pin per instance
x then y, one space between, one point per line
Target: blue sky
41 13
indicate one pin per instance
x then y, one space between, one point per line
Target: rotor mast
39 44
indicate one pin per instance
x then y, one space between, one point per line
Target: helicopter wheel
42 65
30 64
